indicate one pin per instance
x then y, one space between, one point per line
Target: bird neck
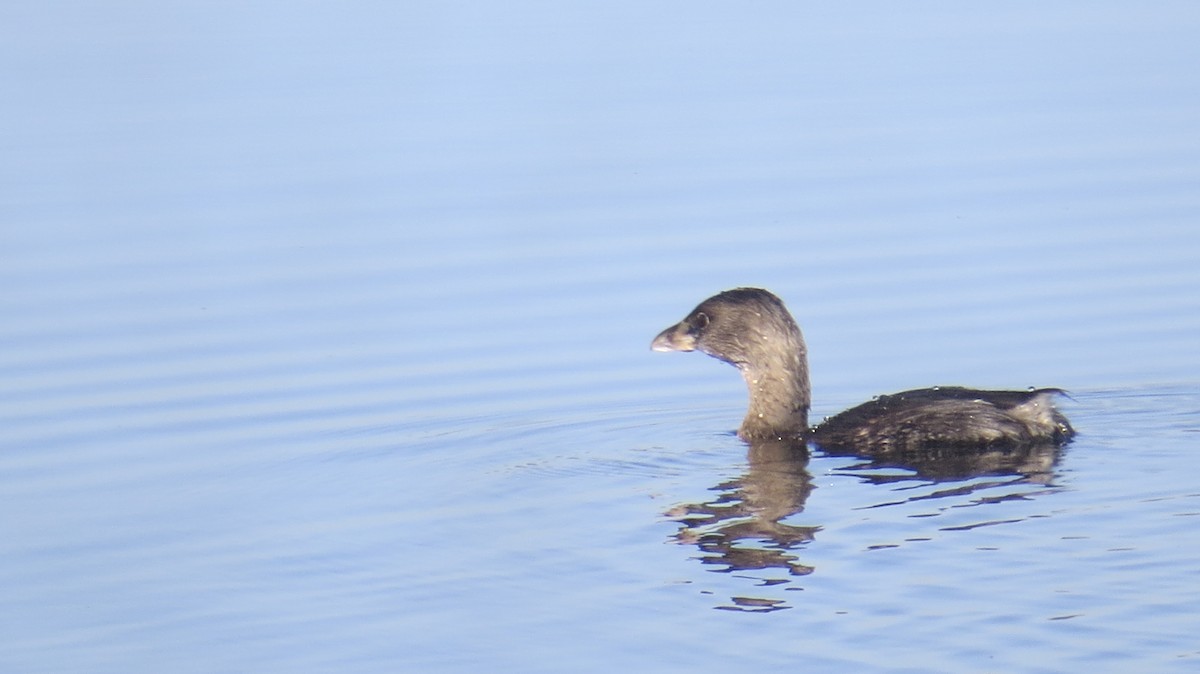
779 396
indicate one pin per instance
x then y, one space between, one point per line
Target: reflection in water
1033 463
742 529
958 473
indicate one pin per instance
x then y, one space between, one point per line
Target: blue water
326 337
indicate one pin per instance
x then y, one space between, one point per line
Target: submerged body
752 330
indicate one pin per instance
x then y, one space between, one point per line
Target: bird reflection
1029 464
742 528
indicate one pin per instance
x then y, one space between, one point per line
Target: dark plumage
752 330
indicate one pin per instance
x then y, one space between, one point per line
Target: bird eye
699 323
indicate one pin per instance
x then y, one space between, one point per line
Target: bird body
751 329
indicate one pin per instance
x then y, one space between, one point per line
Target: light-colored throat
779 396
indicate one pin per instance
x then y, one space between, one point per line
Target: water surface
326 337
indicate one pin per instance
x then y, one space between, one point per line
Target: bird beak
674 338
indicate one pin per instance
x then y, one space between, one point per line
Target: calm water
326 335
